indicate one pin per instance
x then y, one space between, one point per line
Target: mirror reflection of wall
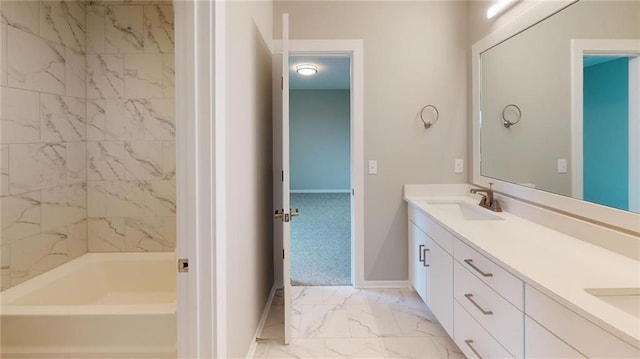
533 70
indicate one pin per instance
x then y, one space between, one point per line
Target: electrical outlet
373 167
458 166
562 165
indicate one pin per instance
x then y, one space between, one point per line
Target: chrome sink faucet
487 200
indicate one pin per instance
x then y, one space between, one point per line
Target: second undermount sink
463 210
627 299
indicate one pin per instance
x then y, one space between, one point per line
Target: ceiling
333 73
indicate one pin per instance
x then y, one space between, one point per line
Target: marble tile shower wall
42 137
130 127
86 132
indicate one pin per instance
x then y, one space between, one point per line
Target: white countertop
558 265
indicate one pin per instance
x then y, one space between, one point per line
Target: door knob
278 214
295 213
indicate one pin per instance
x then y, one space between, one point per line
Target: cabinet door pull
421 253
470 263
469 296
424 256
469 343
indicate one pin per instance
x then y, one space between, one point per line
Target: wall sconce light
499 7
307 69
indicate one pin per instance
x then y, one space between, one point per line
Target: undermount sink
464 210
626 299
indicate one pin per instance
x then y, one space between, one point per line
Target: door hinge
353 192
282 175
183 265
283 254
282 83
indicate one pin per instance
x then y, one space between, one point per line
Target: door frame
604 47
354 49
200 181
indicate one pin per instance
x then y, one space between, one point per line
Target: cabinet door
540 343
417 252
440 285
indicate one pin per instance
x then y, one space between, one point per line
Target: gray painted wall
319 139
248 170
415 53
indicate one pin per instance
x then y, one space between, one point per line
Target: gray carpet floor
321 239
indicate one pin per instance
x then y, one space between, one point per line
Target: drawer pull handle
424 257
469 343
469 296
470 263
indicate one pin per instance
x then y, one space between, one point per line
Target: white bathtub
100 305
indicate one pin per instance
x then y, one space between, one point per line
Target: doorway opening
320 164
606 124
606 135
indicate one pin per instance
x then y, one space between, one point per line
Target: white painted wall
533 71
415 53
248 171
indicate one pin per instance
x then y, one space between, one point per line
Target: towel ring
428 125
508 123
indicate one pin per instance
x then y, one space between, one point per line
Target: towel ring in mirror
428 125
508 123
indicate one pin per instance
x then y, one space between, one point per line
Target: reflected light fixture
499 7
307 69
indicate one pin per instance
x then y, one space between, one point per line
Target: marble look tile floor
344 322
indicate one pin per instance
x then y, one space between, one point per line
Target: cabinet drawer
542 344
433 229
494 313
472 339
503 282
581 334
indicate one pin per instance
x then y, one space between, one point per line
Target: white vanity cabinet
472 339
451 290
541 343
494 311
417 265
499 318
440 285
431 266
576 332
491 298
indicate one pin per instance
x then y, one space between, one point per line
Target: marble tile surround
130 126
344 322
87 131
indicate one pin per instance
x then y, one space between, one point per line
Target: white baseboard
261 323
98 353
385 284
320 191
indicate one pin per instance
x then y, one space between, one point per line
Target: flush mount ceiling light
499 7
307 69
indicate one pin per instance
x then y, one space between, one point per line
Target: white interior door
282 227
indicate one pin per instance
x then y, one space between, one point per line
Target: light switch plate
458 166
562 165
373 167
